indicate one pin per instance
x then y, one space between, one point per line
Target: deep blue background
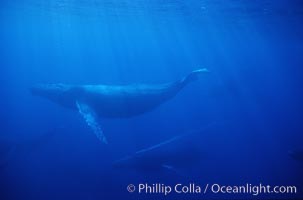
254 92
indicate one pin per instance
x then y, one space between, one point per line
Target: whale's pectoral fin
91 119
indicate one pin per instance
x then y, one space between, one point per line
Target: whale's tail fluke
194 75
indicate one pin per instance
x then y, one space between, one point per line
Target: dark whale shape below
169 154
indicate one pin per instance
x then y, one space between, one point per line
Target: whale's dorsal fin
91 119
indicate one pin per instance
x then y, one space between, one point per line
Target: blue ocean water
246 113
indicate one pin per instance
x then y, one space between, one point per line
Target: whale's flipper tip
104 140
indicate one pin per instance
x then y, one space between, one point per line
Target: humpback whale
112 101
168 155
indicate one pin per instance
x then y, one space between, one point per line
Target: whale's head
49 90
58 93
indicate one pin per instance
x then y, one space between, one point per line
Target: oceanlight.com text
253 189
193 188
